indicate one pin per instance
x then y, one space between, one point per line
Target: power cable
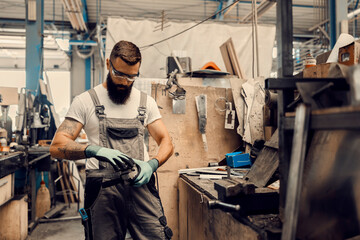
177 34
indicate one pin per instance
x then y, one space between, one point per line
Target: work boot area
180 119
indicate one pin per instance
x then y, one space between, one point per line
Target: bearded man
120 193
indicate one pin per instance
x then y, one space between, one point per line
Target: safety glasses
118 74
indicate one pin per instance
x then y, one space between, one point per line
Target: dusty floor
60 230
70 229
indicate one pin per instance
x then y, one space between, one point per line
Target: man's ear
107 64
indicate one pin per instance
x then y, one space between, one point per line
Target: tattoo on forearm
72 151
68 126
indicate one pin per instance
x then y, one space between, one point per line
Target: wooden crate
6 188
350 54
318 71
14 219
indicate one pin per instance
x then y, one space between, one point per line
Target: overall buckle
99 111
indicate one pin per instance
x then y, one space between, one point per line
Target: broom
42 199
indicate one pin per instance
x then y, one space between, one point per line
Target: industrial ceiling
305 12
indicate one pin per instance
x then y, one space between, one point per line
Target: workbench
11 162
197 221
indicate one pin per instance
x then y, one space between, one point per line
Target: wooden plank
226 58
67 184
77 178
274 140
62 183
264 167
231 61
72 182
183 209
189 151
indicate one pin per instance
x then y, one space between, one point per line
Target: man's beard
117 95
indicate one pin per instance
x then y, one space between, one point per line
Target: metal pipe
39 158
353 14
59 219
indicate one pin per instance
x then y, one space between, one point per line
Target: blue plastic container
238 159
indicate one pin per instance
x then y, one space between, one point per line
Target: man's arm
158 131
63 144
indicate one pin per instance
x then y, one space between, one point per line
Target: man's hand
117 159
146 170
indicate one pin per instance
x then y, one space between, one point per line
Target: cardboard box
326 70
318 71
350 54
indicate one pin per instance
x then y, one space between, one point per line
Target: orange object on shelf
309 60
210 65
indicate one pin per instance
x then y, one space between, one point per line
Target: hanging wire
181 32
256 39
252 39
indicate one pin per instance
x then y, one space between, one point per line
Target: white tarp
200 43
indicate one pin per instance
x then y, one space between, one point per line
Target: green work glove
117 159
146 170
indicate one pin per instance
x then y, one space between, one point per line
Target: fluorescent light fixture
353 14
73 9
31 10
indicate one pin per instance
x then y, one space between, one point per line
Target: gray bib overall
114 209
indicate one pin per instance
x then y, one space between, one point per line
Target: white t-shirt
82 109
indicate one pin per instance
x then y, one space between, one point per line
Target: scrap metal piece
296 168
178 96
214 204
201 106
179 106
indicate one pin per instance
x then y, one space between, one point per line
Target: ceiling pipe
353 14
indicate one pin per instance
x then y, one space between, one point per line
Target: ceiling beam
229 2
261 9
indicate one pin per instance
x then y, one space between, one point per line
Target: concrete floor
70 229
60 230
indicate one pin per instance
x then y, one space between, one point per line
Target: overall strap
99 109
142 107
